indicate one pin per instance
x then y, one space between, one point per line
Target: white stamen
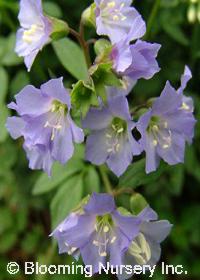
96 243
111 4
120 130
106 229
140 249
155 143
115 18
108 135
155 127
113 239
165 125
103 254
165 146
185 107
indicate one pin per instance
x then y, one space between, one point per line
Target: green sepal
79 209
137 203
124 211
102 76
88 16
102 46
59 28
83 96
103 73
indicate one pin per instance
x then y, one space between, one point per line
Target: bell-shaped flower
145 248
166 127
115 18
35 31
111 138
45 123
100 233
135 61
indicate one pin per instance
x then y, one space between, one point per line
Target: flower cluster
100 233
98 230
45 123
164 128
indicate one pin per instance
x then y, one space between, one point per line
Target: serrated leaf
72 58
59 174
135 175
67 197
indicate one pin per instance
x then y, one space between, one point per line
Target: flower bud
60 28
88 16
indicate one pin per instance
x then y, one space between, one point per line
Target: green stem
84 44
80 37
105 179
123 191
152 17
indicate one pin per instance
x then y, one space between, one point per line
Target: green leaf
59 174
83 96
68 197
3 84
8 156
192 163
10 58
136 176
176 179
176 33
92 180
52 9
4 113
20 80
71 57
137 203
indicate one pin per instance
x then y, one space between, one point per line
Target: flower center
55 121
29 34
115 135
105 234
140 249
112 10
185 107
162 135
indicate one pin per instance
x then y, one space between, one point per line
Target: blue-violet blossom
111 139
100 233
115 18
136 60
45 123
34 32
145 248
167 126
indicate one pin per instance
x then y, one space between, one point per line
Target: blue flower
34 32
111 138
45 123
115 18
167 126
100 233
